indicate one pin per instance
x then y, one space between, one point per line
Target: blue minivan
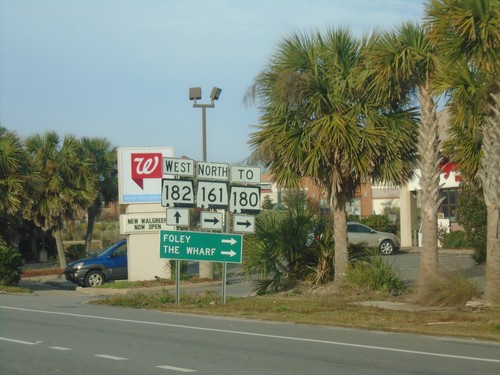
108 265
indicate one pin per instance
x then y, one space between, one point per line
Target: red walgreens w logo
146 166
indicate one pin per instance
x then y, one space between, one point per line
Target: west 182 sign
177 193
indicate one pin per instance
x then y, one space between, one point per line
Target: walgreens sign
140 174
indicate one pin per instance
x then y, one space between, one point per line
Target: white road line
278 337
19 341
180 369
59 348
111 357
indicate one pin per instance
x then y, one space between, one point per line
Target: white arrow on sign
232 241
231 253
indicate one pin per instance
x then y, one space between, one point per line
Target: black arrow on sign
177 216
214 220
247 223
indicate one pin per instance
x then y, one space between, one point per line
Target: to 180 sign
244 199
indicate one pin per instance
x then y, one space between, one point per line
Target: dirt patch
42 272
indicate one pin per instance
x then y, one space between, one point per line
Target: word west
169 246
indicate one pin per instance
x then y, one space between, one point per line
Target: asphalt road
57 332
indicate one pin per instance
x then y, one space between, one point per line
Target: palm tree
280 252
67 189
13 177
405 61
468 33
103 164
320 120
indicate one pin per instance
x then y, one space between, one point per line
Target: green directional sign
201 246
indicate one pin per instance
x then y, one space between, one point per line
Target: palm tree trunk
61 254
490 177
92 213
428 147
339 201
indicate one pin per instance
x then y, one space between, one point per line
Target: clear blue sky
121 69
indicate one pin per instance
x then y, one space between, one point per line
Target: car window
352 228
122 250
363 229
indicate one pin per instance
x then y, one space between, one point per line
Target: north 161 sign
211 195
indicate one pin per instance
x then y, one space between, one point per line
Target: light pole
195 94
206 268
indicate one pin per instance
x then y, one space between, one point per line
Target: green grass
14 289
325 309
148 283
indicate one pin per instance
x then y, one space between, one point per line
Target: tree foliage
468 35
472 215
14 174
320 118
284 249
10 266
102 157
405 61
68 187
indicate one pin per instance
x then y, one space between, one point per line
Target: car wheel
386 247
94 278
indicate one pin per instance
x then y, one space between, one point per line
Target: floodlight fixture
195 93
215 93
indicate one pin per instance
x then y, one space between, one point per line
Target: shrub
375 274
10 266
455 240
472 215
451 289
381 223
75 251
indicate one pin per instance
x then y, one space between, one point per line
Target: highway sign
243 223
211 195
177 193
201 246
244 199
178 217
178 167
249 175
212 171
211 220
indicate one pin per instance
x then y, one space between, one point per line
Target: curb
417 250
145 290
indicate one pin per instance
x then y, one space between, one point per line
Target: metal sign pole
177 282
224 265
224 278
